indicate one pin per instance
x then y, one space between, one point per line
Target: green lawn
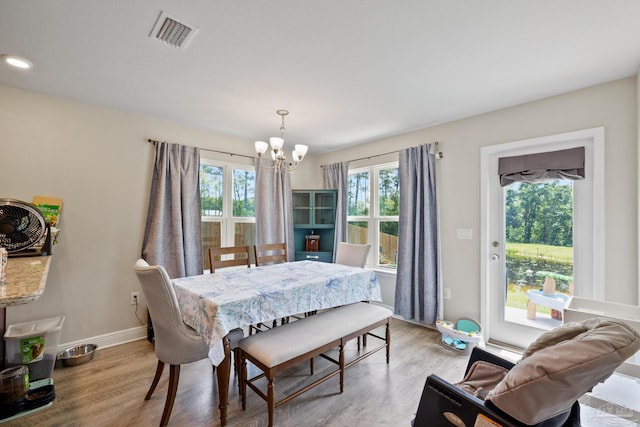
517 296
537 250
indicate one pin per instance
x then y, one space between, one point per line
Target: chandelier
278 156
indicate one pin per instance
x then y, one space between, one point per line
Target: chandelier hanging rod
278 156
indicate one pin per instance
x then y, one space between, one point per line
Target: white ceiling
349 71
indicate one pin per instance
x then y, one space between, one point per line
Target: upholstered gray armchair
175 343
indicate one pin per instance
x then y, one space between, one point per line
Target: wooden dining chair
271 253
219 257
175 343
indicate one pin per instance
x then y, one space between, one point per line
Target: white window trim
374 219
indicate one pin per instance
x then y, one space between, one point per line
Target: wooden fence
388 250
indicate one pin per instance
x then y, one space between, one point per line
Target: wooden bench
281 348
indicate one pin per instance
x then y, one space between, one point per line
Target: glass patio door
537 234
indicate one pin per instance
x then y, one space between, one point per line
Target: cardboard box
51 208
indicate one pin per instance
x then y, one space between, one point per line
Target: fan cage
22 225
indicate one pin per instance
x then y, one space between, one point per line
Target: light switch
464 233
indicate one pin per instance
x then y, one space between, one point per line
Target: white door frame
593 252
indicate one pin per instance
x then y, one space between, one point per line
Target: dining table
215 304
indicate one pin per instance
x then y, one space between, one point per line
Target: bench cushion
281 344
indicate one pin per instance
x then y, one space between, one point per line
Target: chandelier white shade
278 155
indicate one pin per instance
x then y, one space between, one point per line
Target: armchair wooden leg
236 366
174 376
154 383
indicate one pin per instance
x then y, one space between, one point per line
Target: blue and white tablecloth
214 304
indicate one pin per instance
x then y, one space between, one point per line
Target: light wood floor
110 390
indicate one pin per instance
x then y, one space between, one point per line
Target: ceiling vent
173 32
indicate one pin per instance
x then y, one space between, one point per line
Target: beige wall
99 163
97 160
612 105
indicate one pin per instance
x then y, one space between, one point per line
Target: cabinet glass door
301 208
324 208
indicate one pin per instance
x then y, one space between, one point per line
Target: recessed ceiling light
17 61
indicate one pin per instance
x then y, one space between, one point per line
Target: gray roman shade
529 168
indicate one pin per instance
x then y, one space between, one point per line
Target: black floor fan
22 228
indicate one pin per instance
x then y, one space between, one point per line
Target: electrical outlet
135 298
447 293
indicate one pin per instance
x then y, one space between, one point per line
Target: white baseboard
134 334
109 340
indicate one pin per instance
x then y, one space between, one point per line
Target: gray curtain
173 234
274 222
419 280
336 176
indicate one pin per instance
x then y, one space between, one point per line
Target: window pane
388 238
357 232
358 196
210 237
244 193
539 225
211 188
389 194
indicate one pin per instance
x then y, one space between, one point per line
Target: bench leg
341 362
271 401
387 337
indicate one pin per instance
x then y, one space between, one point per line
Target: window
227 193
372 212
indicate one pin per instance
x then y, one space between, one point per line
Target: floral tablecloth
214 304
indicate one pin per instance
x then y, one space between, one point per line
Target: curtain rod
439 154
154 142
